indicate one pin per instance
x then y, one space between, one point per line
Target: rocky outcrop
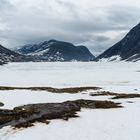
25 116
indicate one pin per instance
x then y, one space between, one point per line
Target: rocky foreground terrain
25 116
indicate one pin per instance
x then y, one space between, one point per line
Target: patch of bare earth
116 95
25 116
53 90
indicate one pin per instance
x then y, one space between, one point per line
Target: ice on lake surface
112 124
120 76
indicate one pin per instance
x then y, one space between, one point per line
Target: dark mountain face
128 48
2 62
7 55
54 50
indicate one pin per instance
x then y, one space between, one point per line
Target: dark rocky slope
128 48
7 55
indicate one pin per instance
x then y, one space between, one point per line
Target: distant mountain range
54 50
127 49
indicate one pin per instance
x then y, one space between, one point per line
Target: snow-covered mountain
7 55
126 49
54 50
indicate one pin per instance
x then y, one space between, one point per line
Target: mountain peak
54 50
52 41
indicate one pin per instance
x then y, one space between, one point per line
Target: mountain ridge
54 50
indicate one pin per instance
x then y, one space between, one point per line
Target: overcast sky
98 24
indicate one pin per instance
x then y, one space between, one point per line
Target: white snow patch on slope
115 58
38 53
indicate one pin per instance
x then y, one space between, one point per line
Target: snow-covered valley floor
97 124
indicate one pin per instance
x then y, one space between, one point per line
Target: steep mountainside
127 49
54 50
7 55
2 62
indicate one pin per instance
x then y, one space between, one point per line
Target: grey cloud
64 20
101 38
124 15
4 4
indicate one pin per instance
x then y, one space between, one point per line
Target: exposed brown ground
116 95
25 116
74 90
53 90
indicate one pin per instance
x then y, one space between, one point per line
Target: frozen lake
114 76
